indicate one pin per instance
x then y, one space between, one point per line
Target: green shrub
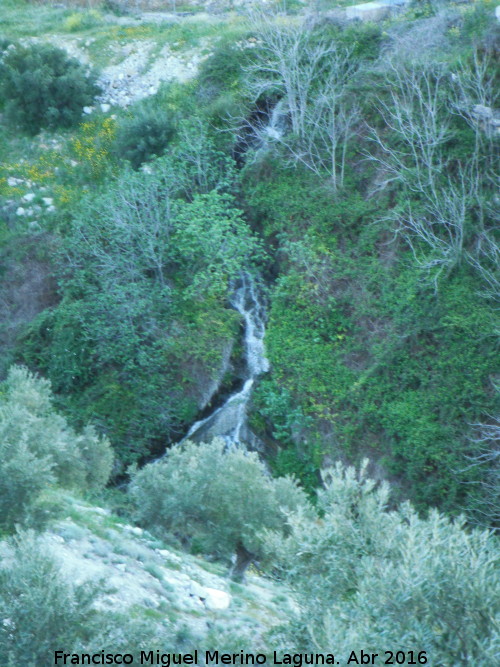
222 71
215 498
142 135
43 88
38 449
369 579
40 611
82 20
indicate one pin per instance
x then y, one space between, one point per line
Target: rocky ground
136 572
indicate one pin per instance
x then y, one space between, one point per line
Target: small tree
216 499
38 449
39 610
145 134
309 78
368 578
43 87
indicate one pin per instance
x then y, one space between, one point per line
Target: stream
229 421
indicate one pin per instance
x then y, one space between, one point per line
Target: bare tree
329 122
411 149
474 83
486 460
485 258
441 227
414 113
308 76
288 63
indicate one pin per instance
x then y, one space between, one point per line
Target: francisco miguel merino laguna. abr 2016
208 658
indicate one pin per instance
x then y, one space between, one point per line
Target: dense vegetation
377 216
353 167
41 87
38 450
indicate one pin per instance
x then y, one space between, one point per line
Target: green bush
217 499
38 449
222 71
142 135
43 88
40 611
369 579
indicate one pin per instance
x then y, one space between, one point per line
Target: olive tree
38 449
40 610
371 577
216 499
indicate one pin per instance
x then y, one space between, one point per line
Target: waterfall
275 128
229 421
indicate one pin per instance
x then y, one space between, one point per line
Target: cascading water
229 421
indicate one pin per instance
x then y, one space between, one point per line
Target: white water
229 421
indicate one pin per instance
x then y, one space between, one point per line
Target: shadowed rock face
229 421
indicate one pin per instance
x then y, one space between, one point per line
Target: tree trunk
243 560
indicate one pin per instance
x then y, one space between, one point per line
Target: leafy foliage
369 578
40 610
43 87
214 498
143 135
38 449
144 320
364 348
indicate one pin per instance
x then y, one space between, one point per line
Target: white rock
21 211
105 108
197 590
29 197
88 110
497 13
12 182
48 201
217 600
51 209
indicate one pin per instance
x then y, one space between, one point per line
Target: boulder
216 600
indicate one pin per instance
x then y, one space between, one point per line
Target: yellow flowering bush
92 148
